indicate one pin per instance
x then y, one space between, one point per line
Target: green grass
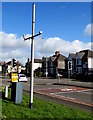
42 109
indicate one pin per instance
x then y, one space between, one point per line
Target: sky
66 26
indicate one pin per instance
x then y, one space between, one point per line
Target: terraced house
55 65
84 60
81 64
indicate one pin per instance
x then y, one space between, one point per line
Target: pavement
65 81
77 83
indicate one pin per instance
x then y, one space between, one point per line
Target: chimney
57 53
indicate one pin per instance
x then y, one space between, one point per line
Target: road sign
69 65
14 77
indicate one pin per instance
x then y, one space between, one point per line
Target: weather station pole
32 56
32 59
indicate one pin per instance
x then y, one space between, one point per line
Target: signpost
69 69
16 85
14 77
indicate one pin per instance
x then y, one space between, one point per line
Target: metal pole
68 76
46 66
32 59
46 62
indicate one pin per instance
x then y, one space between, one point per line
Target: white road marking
64 90
85 91
67 91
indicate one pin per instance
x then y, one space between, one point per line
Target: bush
40 74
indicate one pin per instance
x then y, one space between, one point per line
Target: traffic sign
14 77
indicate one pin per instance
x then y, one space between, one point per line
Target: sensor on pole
32 56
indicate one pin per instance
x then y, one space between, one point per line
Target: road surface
63 92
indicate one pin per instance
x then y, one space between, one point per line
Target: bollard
6 91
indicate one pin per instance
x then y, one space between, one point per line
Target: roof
8 63
53 57
61 57
72 55
44 58
80 54
88 52
37 60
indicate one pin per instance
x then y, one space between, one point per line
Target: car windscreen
21 75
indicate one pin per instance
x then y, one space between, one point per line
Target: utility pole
32 56
32 59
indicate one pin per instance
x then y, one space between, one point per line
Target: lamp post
32 56
46 62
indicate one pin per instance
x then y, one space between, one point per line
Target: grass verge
42 110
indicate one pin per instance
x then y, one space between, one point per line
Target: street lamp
32 56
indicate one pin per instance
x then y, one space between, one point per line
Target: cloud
49 46
14 47
11 41
88 30
14 54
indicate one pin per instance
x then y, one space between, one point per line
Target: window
77 61
79 70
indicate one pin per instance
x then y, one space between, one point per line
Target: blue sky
64 20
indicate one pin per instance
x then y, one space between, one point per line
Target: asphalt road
61 92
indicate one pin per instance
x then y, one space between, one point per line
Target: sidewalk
63 81
74 82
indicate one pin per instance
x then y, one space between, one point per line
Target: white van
22 78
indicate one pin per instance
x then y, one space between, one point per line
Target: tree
28 68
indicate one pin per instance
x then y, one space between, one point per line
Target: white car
22 78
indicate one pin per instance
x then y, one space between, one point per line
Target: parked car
22 78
